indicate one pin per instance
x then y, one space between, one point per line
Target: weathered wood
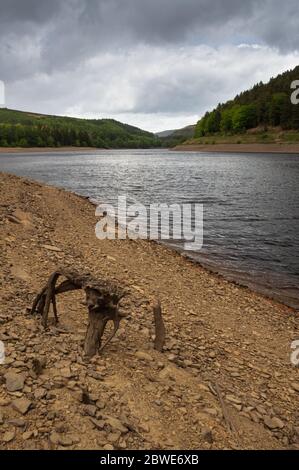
94 333
102 300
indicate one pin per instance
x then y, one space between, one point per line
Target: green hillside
24 129
177 136
263 113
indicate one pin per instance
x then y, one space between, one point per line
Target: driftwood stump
102 300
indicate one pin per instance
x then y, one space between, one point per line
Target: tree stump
102 300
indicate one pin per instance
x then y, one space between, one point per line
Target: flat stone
143 356
98 423
90 410
40 393
295 386
65 441
18 423
116 424
54 438
27 435
14 382
8 436
21 405
113 437
273 423
52 248
1 418
108 447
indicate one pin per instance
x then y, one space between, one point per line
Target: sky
156 64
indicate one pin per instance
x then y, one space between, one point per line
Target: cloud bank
156 64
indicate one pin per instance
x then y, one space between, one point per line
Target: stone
207 435
18 423
143 356
8 436
27 435
14 382
273 423
52 248
113 437
22 405
90 410
295 386
116 424
108 447
54 438
98 423
39 393
1 418
65 441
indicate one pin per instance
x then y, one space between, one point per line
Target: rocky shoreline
227 351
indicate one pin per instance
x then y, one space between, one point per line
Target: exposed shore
240 148
218 334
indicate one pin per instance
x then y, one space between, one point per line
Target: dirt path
217 334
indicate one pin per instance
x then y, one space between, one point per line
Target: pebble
273 423
143 356
8 436
295 386
21 405
14 382
207 435
116 425
108 447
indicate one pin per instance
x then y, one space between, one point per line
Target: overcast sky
157 64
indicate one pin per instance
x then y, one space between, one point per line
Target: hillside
24 129
177 136
263 114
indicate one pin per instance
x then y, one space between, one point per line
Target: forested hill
24 129
265 105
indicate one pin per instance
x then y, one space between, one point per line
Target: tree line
18 129
262 106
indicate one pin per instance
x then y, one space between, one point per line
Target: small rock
39 393
18 423
8 436
116 424
21 405
54 438
273 423
143 356
98 423
207 435
14 382
113 437
108 447
27 435
295 386
52 248
65 441
90 410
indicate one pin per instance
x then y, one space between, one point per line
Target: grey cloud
49 47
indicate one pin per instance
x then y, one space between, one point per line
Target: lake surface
251 203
